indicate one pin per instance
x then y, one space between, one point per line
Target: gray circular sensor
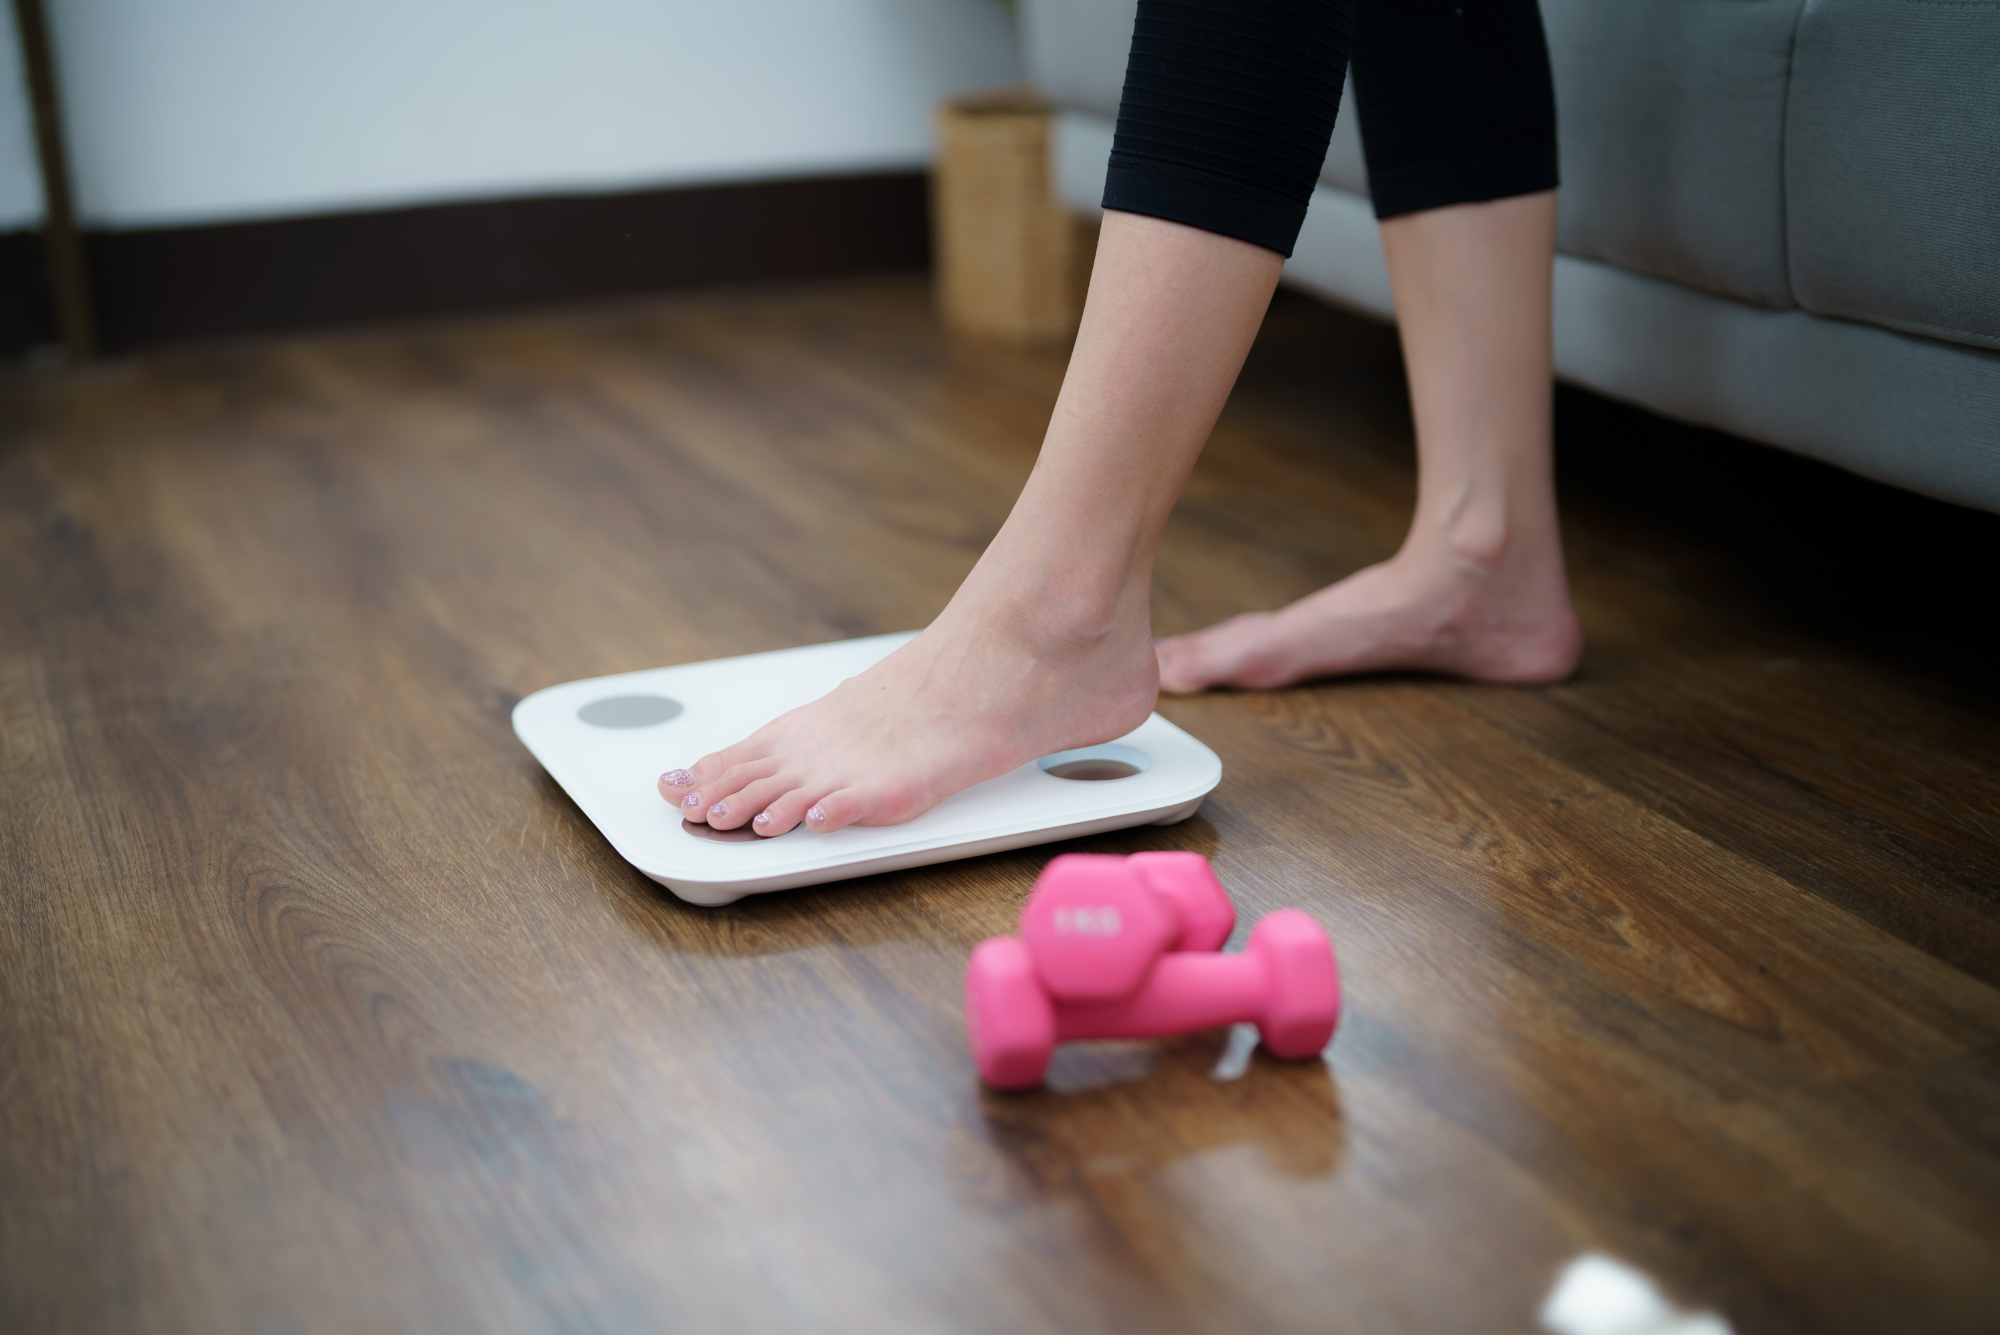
629 711
742 834
1113 760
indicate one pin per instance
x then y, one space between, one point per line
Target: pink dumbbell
1096 923
1286 982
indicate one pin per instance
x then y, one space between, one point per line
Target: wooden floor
322 1009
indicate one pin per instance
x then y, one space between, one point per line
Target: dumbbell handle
1287 983
1184 991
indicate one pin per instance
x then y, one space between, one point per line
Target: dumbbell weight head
1207 915
1094 928
1009 1022
1302 993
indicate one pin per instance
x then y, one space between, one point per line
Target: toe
726 808
881 803
687 790
678 783
890 803
685 798
743 806
783 813
835 811
1190 663
1178 672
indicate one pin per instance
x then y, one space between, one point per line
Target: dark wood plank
322 1008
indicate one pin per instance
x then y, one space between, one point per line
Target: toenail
719 809
763 818
691 800
816 815
677 778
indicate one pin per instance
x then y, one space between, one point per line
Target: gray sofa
1779 217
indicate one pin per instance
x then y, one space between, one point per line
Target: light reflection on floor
1597 1295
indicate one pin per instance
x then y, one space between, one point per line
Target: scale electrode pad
606 740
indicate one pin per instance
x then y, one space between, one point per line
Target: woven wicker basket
1012 263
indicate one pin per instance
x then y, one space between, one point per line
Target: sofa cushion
1892 165
1671 118
1916 412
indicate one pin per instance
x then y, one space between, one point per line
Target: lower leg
1478 588
1047 644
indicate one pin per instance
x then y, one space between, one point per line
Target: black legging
1229 105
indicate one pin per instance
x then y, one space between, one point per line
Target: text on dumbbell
1087 921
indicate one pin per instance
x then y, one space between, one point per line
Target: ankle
1475 540
1050 608
1483 537
1057 587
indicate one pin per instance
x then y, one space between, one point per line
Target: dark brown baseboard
164 285
27 313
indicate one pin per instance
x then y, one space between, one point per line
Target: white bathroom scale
607 739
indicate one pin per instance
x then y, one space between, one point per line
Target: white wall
193 111
20 179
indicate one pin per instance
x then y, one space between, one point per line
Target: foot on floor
1492 614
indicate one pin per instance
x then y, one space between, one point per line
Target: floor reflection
1145 1152
1149 1105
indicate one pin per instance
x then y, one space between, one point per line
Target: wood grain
322 1008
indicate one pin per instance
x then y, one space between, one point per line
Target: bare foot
992 684
1496 614
1048 644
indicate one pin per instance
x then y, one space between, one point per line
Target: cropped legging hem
1468 180
1229 106
1212 203
1229 208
